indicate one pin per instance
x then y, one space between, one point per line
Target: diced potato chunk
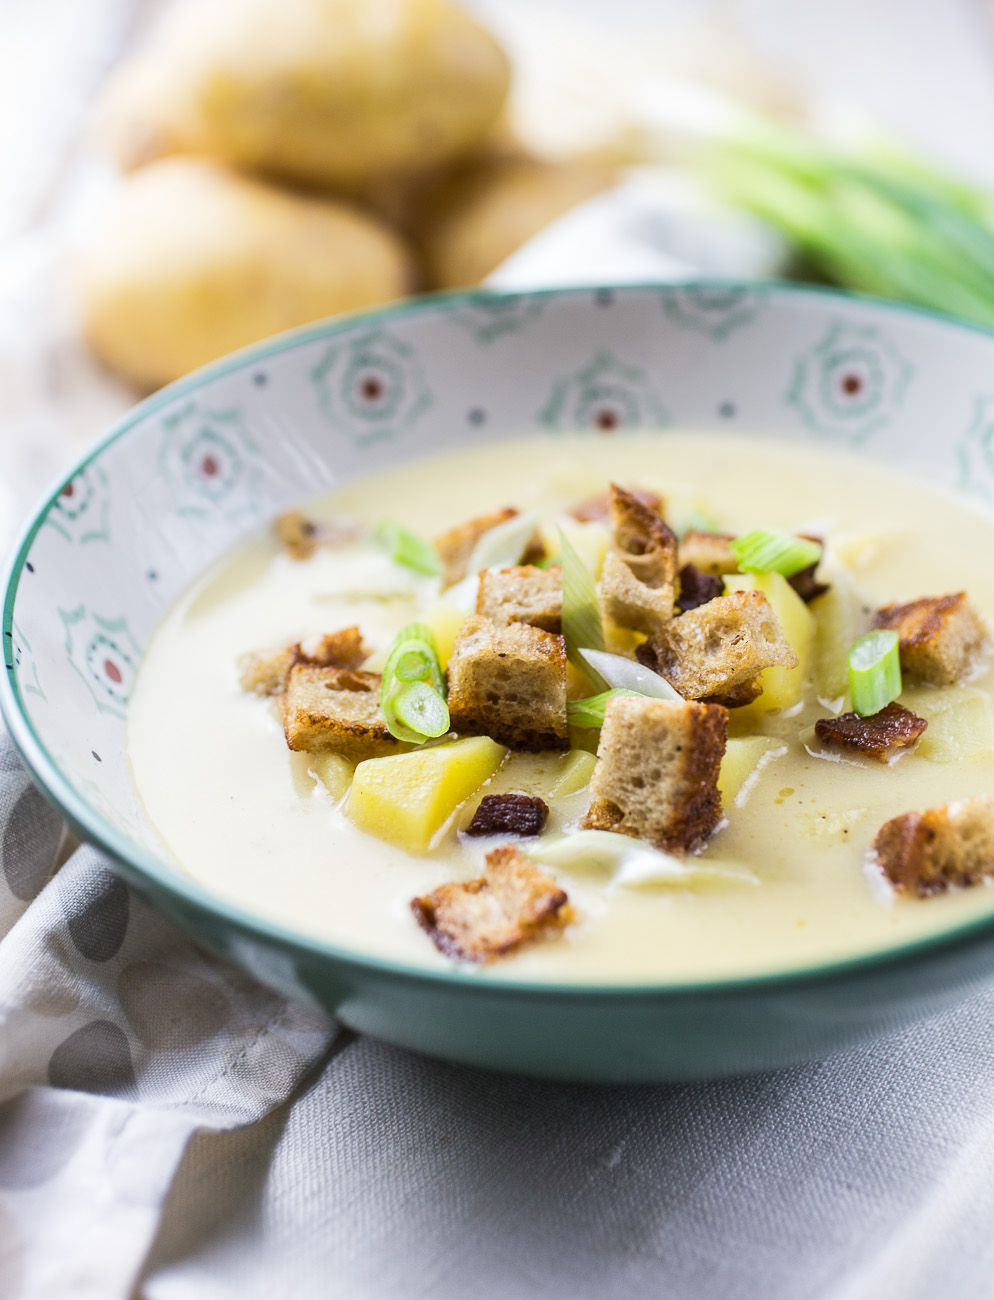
960 722
335 774
782 687
573 774
405 799
745 757
590 540
445 621
860 550
835 631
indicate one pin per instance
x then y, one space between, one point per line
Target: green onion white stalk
504 544
626 674
583 624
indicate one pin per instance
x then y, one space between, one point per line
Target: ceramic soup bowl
196 467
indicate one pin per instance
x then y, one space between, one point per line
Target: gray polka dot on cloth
169 1008
32 1152
96 911
29 844
96 1058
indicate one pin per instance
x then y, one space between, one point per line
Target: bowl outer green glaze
605 1033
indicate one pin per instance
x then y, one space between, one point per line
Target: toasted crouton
709 552
523 594
479 920
711 651
598 509
266 672
949 847
657 771
509 683
940 636
638 578
297 534
332 710
456 546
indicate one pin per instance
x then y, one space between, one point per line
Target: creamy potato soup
779 878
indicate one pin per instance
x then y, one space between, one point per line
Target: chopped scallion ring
421 710
407 548
582 621
874 672
590 712
412 694
766 551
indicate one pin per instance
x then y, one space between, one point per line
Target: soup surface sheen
242 815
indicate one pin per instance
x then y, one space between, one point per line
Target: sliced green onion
874 671
420 710
766 551
504 544
590 712
626 674
413 657
412 694
407 548
583 624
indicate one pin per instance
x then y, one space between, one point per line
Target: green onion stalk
867 216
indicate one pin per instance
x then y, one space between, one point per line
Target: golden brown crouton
509 683
478 920
297 534
523 594
598 509
266 672
456 546
341 649
332 710
940 636
713 650
949 847
657 771
709 552
300 536
638 578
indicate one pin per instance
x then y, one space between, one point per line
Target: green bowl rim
97 830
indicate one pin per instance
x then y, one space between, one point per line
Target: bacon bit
807 585
509 814
598 509
880 736
697 588
479 920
